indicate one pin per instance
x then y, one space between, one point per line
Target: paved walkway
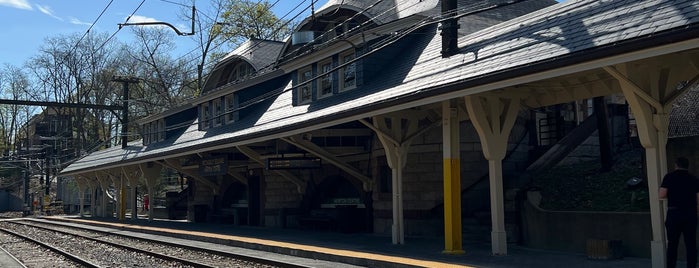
360 249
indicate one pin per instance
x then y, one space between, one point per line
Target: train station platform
366 250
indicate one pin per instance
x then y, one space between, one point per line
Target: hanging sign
213 166
293 163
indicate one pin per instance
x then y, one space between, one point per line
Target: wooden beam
630 85
171 163
316 150
254 156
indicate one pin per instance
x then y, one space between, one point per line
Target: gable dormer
324 54
239 70
250 59
166 125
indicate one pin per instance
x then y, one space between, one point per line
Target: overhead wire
269 95
231 37
283 19
378 46
119 29
90 28
471 9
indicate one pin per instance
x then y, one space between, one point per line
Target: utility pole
125 108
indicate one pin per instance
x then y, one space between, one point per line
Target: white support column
650 90
498 235
651 120
151 174
493 119
118 181
132 175
93 184
396 140
396 156
104 184
82 184
399 160
452 179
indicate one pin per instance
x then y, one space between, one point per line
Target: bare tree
165 79
14 84
71 68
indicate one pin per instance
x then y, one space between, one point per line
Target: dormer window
218 112
153 131
239 72
242 71
233 76
305 87
161 130
348 73
205 116
325 84
231 105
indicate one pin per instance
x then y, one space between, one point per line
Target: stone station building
382 117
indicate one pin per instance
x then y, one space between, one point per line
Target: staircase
476 223
177 204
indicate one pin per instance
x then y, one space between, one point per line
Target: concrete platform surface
365 250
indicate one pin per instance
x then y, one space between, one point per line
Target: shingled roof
550 39
684 117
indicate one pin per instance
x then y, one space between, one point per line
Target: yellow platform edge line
339 252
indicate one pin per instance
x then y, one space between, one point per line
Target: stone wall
422 185
569 231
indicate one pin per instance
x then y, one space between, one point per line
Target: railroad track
22 249
178 255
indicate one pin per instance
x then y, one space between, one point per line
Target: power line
90 28
472 9
119 29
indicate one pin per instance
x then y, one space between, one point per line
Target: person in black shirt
681 189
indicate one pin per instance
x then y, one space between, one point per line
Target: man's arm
662 193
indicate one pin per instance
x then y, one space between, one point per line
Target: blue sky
26 23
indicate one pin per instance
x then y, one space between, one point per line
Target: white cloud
76 21
48 11
21 4
139 18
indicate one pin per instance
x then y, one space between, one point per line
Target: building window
161 130
205 116
348 73
230 108
218 112
243 70
233 76
325 84
145 133
151 132
305 89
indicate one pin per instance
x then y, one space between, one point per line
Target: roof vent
301 37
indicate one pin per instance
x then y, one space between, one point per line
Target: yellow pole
122 201
452 180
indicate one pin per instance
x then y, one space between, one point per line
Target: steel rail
126 247
190 247
17 261
70 256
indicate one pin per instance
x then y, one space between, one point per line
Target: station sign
293 163
214 166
